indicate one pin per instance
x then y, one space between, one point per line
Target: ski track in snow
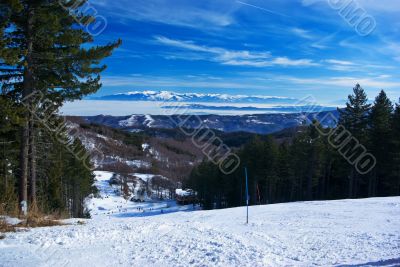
321 233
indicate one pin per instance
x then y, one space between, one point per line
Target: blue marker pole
247 196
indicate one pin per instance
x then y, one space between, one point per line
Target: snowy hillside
110 201
129 153
255 123
330 233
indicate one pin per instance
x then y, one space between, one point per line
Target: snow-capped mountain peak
196 97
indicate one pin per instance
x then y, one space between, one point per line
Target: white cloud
284 61
263 9
370 5
319 46
393 49
195 14
235 57
302 33
381 5
181 44
346 65
193 81
339 62
234 62
224 54
341 65
325 42
376 82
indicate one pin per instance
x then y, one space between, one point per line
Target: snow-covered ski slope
322 233
110 203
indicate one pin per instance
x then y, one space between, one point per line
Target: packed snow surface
112 204
323 233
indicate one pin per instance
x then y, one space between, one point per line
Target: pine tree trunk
351 184
5 182
398 182
356 185
293 188
328 179
23 179
33 165
372 184
5 169
309 182
27 89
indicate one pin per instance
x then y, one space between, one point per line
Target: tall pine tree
355 119
380 143
395 153
44 50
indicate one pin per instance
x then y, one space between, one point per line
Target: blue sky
288 48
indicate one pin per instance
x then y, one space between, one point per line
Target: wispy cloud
392 48
325 42
376 82
339 62
284 61
191 14
346 65
254 82
302 33
263 9
169 42
341 65
371 5
224 54
236 57
189 81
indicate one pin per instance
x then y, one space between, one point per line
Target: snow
259 122
132 120
133 163
128 122
111 203
148 120
138 163
183 193
169 95
10 220
322 233
145 146
88 143
102 137
135 130
155 153
144 176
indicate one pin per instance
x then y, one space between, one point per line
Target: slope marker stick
247 196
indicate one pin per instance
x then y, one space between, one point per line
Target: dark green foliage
306 166
380 142
9 123
66 180
57 59
355 116
394 152
355 119
45 52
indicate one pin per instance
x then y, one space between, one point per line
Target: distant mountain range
271 109
257 123
169 96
